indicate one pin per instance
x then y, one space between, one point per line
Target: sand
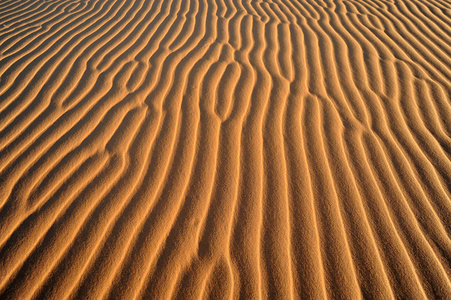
252 149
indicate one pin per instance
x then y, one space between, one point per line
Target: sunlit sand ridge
253 149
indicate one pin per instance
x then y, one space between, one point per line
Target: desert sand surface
225 149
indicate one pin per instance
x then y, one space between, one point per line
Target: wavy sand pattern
225 149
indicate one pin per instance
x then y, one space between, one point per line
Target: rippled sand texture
225 149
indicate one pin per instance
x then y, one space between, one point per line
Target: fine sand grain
218 149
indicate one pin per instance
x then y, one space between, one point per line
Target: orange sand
253 149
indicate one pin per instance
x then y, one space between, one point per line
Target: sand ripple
225 149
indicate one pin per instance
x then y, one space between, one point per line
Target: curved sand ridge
225 149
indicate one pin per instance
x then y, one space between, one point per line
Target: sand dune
220 149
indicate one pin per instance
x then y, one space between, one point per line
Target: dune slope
253 149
